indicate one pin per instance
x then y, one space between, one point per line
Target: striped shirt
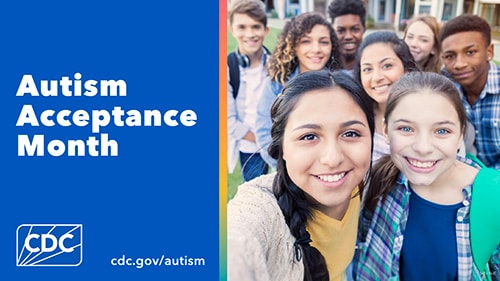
377 258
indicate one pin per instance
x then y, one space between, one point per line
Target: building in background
288 8
395 13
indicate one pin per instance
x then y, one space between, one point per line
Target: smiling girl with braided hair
300 223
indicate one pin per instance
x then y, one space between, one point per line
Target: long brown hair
384 173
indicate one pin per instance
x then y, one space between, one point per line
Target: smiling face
420 39
349 30
326 148
424 146
466 57
249 34
314 49
380 69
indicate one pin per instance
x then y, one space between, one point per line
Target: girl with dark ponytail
300 223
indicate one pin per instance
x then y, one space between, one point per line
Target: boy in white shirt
246 73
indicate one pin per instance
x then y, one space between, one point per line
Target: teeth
332 178
315 60
419 164
380 88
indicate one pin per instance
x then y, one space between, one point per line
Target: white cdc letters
49 245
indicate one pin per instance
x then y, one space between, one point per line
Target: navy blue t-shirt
429 246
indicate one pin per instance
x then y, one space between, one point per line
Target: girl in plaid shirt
415 222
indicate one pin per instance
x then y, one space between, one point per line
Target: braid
297 210
296 207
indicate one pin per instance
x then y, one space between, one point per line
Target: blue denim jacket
263 122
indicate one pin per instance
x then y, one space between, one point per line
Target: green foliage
370 22
274 14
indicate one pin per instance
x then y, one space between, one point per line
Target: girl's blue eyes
405 129
438 131
442 132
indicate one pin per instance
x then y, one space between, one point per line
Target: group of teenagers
384 151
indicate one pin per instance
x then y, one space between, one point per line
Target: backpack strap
266 50
234 72
484 215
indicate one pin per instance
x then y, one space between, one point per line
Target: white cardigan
259 242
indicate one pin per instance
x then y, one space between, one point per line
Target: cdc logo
49 245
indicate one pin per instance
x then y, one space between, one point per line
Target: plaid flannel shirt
377 258
485 116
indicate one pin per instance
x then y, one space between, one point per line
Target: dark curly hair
347 7
284 58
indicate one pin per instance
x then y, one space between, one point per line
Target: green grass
234 179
